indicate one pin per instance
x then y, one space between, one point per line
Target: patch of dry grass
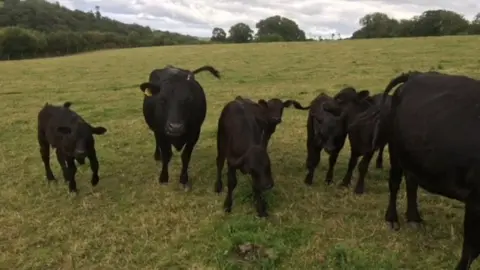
129 221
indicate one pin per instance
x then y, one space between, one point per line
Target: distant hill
36 28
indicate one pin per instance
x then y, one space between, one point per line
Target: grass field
129 221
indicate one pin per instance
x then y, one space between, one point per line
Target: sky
315 17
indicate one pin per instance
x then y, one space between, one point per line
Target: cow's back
437 121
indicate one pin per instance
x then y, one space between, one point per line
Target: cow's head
328 126
173 102
275 106
256 162
76 136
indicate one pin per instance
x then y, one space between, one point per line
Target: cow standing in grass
72 137
273 110
174 107
435 144
323 132
359 121
240 141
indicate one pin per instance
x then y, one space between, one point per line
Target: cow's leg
63 164
45 154
379 162
221 149
92 157
362 172
232 183
260 203
72 170
313 159
166 151
186 156
413 215
352 163
394 181
157 153
332 160
471 235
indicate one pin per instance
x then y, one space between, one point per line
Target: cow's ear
64 130
149 89
263 103
363 95
99 130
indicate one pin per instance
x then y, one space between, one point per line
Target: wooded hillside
36 28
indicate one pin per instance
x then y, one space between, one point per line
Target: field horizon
130 221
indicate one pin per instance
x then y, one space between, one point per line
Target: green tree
219 35
376 25
272 27
240 33
474 28
440 23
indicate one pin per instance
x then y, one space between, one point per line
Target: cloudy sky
315 17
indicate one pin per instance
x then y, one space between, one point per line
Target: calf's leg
332 160
63 164
72 170
260 203
362 172
92 156
232 183
352 163
220 163
45 154
313 159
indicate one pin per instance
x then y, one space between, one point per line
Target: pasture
130 221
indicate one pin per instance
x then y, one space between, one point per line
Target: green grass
129 221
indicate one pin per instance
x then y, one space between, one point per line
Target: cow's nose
174 128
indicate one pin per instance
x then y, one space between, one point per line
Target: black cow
72 137
174 107
434 142
160 75
240 141
359 122
323 120
273 108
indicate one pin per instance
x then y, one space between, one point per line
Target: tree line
36 28
374 25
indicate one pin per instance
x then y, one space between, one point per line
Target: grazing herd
431 125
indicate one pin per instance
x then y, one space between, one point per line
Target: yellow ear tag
147 92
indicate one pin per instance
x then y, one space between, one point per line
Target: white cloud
315 17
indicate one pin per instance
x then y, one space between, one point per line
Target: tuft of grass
129 221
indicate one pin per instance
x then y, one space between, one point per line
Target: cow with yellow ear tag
174 108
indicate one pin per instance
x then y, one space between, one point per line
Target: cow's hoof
419 226
187 187
394 225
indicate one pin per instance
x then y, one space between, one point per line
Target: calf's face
77 135
274 108
328 127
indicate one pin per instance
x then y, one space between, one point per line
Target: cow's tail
210 69
398 80
383 109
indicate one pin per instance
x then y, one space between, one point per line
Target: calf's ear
363 95
99 130
64 130
263 103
